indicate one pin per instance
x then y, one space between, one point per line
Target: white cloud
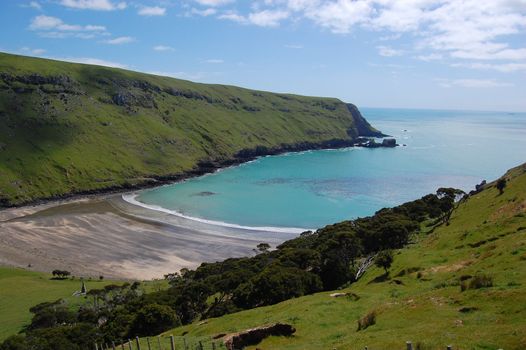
120 40
214 61
486 53
152 11
214 3
63 35
339 16
472 83
163 48
35 5
294 46
90 60
390 37
430 57
267 18
387 51
32 51
45 22
57 26
445 29
204 13
500 67
100 5
234 17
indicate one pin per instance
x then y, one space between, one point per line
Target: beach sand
108 236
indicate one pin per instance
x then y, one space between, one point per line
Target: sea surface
312 189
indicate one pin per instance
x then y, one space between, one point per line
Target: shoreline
108 236
202 167
100 233
131 199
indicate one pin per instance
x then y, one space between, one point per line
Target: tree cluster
60 274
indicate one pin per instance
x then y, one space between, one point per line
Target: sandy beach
109 236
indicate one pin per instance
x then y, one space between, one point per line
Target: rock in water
389 143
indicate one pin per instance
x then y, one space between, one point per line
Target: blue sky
445 54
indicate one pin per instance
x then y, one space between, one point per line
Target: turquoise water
312 189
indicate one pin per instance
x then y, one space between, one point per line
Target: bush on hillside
368 320
384 259
477 282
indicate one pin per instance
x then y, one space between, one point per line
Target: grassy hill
69 128
422 299
21 289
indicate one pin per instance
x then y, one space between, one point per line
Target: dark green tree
501 185
263 247
276 283
448 197
153 319
15 342
384 259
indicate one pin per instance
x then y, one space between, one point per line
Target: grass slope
425 304
67 127
21 289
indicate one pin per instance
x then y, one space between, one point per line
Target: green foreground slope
21 289
67 127
422 299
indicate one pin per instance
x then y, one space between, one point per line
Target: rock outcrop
238 341
362 125
371 143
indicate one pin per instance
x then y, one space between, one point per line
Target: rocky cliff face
362 125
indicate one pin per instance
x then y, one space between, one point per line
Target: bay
312 189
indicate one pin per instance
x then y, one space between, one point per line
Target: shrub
60 274
367 320
501 185
384 259
477 282
465 277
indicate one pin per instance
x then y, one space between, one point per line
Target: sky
439 54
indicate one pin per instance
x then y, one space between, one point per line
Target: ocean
311 189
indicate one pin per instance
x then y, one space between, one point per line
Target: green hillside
67 127
21 289
422 300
